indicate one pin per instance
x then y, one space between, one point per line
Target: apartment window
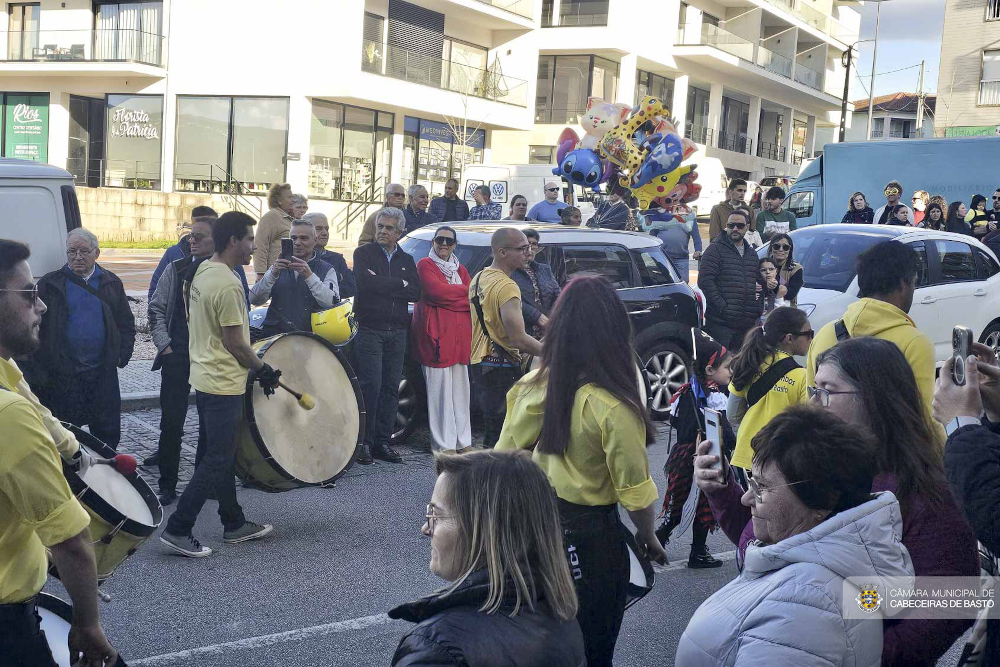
132 141
735 120
131 31
230 139
348 148
465 67
22 37
372 50
992 10
660 87
878 125
583 12
989 83
697 116
547 13
565 83
541 154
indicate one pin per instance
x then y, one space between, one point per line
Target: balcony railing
770 151
808 76
774 62
817 19
700 134
100 45
989 92
520 7
399 63
724 40
737 143
131 174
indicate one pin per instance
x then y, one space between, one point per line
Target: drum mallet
306 401
123 463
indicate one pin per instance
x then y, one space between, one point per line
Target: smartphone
713 433
286 249
961 344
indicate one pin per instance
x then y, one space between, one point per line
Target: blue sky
909 31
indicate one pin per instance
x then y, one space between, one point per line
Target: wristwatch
959 422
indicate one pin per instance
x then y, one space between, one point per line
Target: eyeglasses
735 225
533 246
29 295
80 253
781 246
445 240
758 490
432 519
809 332
523 249
552 189
822 396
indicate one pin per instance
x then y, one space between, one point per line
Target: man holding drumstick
220 352
37 509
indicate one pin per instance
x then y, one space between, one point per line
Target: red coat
441 330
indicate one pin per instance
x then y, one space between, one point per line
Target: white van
713 181
527 180
39 208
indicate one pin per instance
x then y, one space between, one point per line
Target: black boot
364 455
700 558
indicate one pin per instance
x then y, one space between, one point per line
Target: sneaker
703 561
364 455
248 531
387 453
150 461
185 545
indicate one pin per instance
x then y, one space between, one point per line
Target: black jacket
382 301
416 220
452 631
345 277
51 360
729 283
972 463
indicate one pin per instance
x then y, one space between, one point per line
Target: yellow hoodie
871 317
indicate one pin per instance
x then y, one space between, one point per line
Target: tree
469 81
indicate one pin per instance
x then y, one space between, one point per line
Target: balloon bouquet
642 146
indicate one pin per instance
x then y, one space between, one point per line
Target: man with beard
37 509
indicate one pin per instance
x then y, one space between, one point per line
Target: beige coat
273 227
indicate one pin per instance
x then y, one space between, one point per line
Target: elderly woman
816 523
300 206
441 334
273 227
495 537
539 289
850 381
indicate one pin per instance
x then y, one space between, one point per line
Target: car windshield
468 256
829 256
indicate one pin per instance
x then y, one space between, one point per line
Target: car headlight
807 308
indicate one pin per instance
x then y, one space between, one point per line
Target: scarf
449 268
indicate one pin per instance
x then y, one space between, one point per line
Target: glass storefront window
660 87
565 83
133 141
359 153
350 151
605 79
260 133
431 154
202 150
570 88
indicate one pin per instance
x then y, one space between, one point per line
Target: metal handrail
770 151
373 194
85 45
113 173
220 181
699 133
736 142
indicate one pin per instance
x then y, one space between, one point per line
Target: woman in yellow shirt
581 414
766 379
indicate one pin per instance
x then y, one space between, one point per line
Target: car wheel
407 413
991 337
666 368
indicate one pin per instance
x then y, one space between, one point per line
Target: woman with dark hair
570 216
494 530
977 218
766 379
851 381
581 414
858 211
539 289
934 216
790 273
816 523
518 208
956 219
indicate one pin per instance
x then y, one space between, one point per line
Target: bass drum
57 616
282 446
531 363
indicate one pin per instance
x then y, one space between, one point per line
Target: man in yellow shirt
220 352
498 335
37 509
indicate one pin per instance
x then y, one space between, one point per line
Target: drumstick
123 463
306 402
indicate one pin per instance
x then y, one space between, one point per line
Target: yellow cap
337 324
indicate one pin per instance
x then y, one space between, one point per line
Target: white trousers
448 406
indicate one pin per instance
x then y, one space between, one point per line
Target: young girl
768 279
683 504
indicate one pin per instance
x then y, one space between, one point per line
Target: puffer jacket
439 208
452 631
729 282
787 605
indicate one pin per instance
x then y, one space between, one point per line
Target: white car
958 279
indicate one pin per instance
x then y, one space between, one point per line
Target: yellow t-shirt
605 462
216 300
495 289
37 509
789 390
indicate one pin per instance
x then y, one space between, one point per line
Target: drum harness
500 353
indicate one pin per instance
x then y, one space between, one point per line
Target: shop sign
972 131
133 123
26 127
433 131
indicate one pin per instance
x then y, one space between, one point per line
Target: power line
902 69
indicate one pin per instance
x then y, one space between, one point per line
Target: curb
145 400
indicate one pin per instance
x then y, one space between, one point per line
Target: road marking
266 640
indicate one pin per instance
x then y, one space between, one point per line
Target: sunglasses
781 246
29 295
552 189
445 240
809 333
735 225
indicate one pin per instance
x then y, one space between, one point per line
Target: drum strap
498 350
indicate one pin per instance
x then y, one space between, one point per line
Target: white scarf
449 268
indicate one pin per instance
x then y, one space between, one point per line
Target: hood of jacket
871 317
864 541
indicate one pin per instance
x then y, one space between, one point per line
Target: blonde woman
273 227
495 536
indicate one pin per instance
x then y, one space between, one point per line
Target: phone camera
959 369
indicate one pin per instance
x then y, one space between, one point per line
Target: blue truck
954 168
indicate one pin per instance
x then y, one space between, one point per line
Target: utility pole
871 92
847 89
920 101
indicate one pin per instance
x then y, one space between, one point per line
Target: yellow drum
336 325
283 447
124 511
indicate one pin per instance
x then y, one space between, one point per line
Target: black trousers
174 392
599 564
22 641
490 386
90 398
729 335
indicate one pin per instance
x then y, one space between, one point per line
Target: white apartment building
157 106
968 86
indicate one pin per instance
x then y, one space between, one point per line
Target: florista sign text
133 123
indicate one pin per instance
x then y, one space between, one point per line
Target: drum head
56 617
313 446
640 578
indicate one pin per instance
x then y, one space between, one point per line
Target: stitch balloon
581 166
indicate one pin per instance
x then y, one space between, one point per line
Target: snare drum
283 447
124 511
57 616
640 575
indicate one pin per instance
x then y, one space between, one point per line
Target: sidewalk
140 386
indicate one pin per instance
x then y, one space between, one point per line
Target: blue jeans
218 428
379 357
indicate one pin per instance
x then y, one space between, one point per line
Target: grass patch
139 245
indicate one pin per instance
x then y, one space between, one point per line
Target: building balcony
774 62
523 8
99 51
816 20
399 63
808 76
